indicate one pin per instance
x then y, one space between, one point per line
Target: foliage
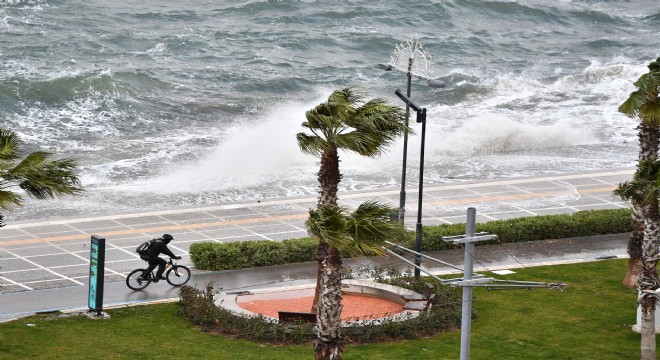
36 174
644 103
362 231
247 254
199 308
644 186
579 224
239 255
539 324
349 123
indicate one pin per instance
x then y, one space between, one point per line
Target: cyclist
159 246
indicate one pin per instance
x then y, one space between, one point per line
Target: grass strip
591 319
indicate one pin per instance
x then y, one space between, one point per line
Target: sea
172 104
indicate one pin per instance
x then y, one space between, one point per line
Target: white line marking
15 283
44 268
429 188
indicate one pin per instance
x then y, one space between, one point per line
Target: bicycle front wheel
138 279
178 275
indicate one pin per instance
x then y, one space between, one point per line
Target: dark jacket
159 247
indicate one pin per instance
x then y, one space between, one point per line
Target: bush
299 250
246 254
581 223
198 307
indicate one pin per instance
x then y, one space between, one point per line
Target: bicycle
176 275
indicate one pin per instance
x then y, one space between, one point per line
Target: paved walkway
39 259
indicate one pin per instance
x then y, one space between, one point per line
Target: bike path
487 258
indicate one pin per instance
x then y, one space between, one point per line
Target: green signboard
96 267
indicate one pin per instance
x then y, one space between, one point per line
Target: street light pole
402 192
411 50
419 234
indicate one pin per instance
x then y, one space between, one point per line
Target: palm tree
344 122
644 190
37 175
642 104
360 232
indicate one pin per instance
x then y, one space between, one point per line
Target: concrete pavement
44 265
487 258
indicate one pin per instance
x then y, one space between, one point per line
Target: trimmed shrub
299 250
246 254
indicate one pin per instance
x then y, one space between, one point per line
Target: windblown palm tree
37 175
344 122
642 104
363 232
644 190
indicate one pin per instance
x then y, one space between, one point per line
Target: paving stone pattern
55 253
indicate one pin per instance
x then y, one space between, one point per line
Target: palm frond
348 124
365 144
645 186
8 146
31 163
631 106
42 178
328 224
650 112
9 200
370 225
643 103
362 231
312 144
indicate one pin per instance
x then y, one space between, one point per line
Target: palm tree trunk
328 345
648 147
635 266
648 280
321 251
329 178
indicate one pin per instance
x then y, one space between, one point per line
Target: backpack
143 249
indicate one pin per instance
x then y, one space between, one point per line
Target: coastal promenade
44 265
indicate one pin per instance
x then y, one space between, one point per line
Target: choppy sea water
171 104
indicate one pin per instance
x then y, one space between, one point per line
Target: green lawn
591 319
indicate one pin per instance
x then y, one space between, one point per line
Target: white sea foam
504 135
522 113
178 116
252 151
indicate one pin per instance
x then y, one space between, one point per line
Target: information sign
96 267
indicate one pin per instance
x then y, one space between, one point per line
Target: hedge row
248 254
582 223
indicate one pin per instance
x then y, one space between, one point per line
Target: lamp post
407 52
421 118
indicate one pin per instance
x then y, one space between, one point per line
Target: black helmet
167 238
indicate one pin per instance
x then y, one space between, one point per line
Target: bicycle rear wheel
138 279
178 275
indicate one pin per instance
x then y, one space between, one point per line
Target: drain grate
606 257
239 293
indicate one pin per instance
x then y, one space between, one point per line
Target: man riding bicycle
159 246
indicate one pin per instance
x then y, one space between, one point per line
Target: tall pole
468 266
419 234
402 193
421 118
